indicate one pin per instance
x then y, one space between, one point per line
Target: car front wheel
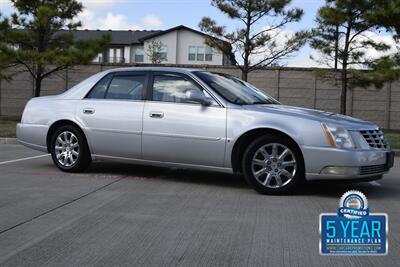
273 165
69 149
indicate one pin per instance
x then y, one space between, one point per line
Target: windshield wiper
258 102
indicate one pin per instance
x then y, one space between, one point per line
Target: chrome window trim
177 103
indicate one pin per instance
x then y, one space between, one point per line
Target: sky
164 14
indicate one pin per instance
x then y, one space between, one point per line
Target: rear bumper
324 163
32 136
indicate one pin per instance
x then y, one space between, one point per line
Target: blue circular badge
353 205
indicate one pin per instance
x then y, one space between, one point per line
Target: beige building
180 45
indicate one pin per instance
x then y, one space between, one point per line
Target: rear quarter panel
40 114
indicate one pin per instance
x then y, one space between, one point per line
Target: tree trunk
245 69
38 85
343 93
244 75
336 46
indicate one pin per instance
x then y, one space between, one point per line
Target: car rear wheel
273 165
69 149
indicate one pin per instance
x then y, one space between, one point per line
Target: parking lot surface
118 214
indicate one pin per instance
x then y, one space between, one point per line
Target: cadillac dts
192 118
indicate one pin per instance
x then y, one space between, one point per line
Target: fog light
335 170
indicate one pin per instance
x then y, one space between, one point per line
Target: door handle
156 114
88 110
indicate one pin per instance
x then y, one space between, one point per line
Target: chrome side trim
113 131
165 164
183 136
156 134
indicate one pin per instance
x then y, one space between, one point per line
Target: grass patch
7 128
393 136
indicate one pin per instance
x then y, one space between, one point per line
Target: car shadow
124 169
168 174
333 189
328 189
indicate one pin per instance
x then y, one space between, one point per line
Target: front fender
304 132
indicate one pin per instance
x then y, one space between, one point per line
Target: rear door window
129 87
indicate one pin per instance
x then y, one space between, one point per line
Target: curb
8 140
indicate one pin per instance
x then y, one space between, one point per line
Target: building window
192 53
200 53
209 53
115 55
163 53
139 55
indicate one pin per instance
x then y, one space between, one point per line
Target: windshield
235 90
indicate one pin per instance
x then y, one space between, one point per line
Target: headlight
338 136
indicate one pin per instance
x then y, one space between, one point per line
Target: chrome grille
375 139
373 169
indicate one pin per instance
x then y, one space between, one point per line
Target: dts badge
353 230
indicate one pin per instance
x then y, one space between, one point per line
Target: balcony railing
109 60
115 60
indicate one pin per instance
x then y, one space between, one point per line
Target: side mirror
196 96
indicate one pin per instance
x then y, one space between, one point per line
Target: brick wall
291 86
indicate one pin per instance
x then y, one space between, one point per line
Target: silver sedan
196 119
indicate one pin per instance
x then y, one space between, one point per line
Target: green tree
5 59
342 36
39 39
387 14
259 41
154 50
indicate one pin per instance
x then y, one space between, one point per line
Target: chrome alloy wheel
67 148
274 165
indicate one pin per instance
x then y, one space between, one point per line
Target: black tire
82 161
249 153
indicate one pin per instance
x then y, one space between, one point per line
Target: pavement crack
60 206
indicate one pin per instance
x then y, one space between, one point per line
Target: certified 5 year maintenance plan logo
353 230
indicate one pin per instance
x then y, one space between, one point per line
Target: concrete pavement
118 214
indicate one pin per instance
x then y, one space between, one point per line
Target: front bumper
341 164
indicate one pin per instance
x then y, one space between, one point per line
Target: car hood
317 115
